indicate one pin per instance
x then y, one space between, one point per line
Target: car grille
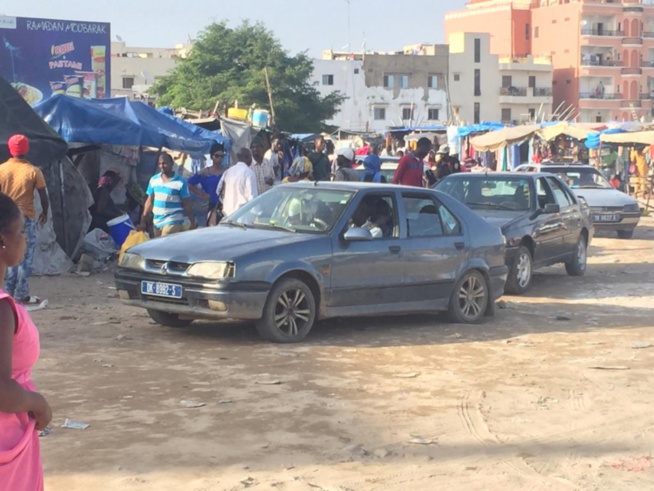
613 209
166 267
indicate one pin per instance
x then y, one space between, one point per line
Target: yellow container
237 113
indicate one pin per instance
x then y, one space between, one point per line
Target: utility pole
270 101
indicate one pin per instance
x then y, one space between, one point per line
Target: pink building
602 50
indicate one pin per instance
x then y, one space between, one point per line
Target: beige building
135 70
486 87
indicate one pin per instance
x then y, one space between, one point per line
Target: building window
404 81
532 114
477 82
407 113
527 30
432 81
432 114
536 31
506 115
379 113
477 113
477 50
356 71
128 82
507 81
389 81
328 79
457 77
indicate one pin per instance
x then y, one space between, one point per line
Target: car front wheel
168 320
470 298
577 265
289 313
520 273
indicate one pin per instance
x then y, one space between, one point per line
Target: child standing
23 412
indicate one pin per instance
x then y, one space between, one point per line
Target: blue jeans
16 282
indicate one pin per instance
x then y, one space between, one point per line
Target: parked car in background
609 208
388 168
541 218
306 251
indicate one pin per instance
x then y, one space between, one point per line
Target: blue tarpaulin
121 121
478 128
593 140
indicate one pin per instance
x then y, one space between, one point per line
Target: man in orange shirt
18 180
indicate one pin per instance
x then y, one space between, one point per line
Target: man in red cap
18 180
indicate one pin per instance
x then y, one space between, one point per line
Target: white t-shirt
238 186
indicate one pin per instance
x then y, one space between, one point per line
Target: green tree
227 64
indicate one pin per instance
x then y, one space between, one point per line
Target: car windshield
581 178
489 192
294 209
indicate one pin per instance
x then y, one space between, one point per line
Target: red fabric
18 145
409 171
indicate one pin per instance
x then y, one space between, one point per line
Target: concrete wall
136 68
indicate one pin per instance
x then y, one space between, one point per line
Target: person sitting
380 223
103 208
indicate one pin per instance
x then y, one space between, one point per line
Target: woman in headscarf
208 179
103 208
300 170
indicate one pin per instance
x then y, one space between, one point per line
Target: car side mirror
356 234
551 209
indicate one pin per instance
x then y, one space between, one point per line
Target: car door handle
394 249
459 245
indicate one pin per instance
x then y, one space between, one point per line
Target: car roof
486 175
569 166
351 185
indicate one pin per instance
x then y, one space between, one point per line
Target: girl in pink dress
23 412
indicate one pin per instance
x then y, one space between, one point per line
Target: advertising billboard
44 57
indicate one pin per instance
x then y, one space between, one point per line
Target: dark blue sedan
307 251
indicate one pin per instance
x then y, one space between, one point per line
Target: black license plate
606 218
159 289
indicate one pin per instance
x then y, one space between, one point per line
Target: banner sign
44 57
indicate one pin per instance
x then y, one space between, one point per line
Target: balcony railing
542 92
631 71
596 95
631 103
601 32
597 62
514 91
632 40
646 97
648 34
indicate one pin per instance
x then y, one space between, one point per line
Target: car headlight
132 261
212 270
634 208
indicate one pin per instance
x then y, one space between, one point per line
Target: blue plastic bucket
119 229
260 118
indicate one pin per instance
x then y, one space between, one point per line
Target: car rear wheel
520 273
168 320
626 234
577 265
289 313
470 298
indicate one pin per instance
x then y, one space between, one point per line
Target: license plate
158 289
606 218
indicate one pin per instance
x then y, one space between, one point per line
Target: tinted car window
545 196
492 192
560 195
426 217
376 212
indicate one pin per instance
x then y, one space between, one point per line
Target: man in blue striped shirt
168 201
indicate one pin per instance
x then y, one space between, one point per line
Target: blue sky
299 24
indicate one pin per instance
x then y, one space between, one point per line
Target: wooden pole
270 100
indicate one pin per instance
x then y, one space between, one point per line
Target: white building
135 70
385 90
486 87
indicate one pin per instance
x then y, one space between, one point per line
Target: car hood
222 243
500 218
604 197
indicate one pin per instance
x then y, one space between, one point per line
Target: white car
610 209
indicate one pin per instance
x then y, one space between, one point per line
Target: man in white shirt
238 184
262 167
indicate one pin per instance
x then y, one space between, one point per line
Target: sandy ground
365 404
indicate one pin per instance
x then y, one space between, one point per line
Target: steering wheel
321 224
